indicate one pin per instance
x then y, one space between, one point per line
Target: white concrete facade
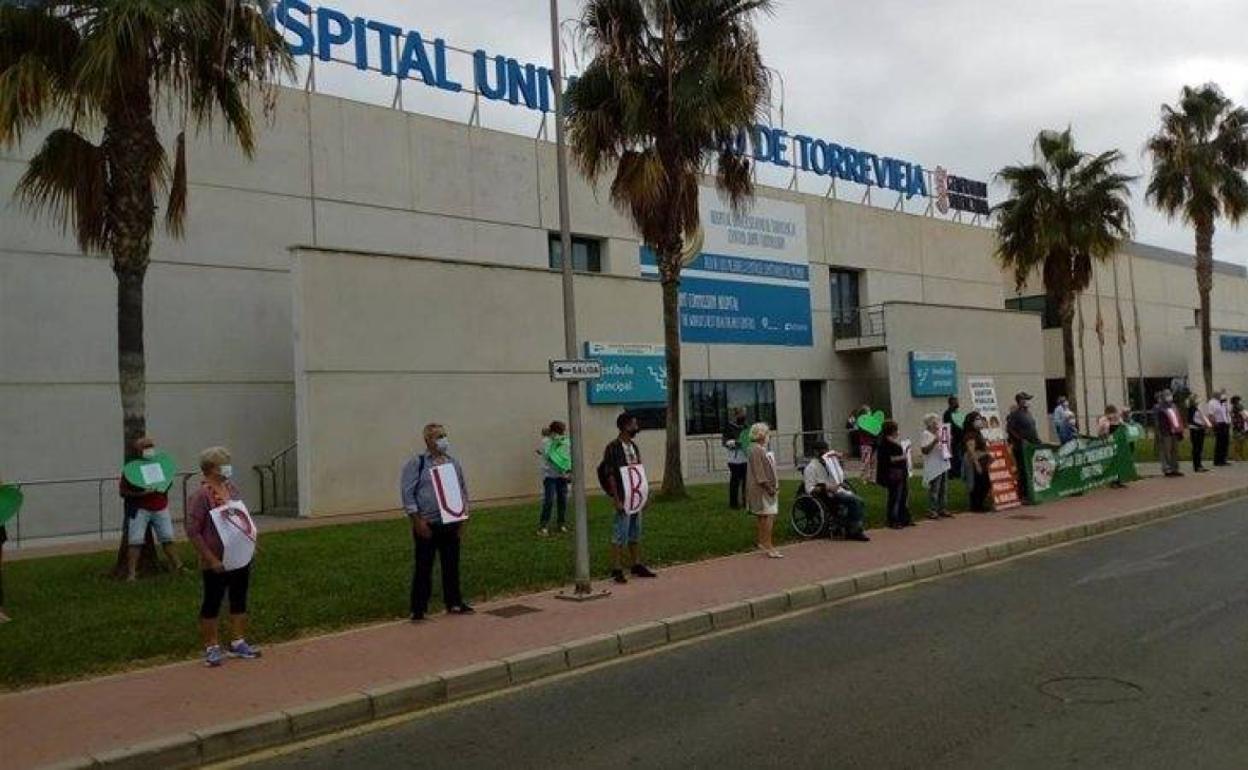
228 349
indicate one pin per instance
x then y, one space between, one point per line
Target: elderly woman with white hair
934 443
762 487
220 527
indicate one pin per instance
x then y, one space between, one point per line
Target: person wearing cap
1169 432
1219 412
1020 426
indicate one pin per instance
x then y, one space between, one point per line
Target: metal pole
1139 350
582 589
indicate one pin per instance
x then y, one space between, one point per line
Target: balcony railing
859 329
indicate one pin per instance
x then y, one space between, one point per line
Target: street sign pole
582 588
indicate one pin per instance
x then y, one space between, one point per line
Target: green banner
1055 472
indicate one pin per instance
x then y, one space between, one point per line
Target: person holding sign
892 460
147 505
1198 426
1169 432
976 459
435 498
220 527
824 478
623 477
556 471
935 444
954 418
762 490
736 440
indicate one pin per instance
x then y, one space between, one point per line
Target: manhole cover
513 611
1091 689
1027 517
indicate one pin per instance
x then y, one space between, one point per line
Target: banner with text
1077 466
750 284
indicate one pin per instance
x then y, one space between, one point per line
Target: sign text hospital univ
374 45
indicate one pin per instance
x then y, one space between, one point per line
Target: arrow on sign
575 369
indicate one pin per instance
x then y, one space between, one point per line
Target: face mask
980 424
149 453
632 432
443 444
227 471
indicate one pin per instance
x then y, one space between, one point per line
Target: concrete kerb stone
769 605
1020 545
592 649
74 763
536 664
951 562
408 696
642 637
870 581
235 738
973 556
838 588
172 752
688 625
729 615
997 550
927 568
805 596
897 575
476 679
330 715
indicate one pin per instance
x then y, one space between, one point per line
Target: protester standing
1219 411
1020 426
955 436
626 531
1198 426
1061 419
432 537
146 507
824 477
976 461
1106 426
4 538
866 443
736 440
217 504
1239 427
1169 432
892 473
936 450
763 488
556 472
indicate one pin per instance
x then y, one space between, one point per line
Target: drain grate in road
513 611
1027 517
1091 689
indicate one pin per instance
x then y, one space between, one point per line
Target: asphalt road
1130 651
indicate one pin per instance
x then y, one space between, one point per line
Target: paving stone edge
495 675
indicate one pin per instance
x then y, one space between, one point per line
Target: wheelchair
813 517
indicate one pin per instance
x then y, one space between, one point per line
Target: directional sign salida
575 369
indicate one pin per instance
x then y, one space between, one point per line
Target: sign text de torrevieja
329 34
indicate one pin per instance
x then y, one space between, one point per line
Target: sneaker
241 649
618 576
946 515
417 617
861 537
563 529
774 555
543 532
642 571
463 608
213 656
933 515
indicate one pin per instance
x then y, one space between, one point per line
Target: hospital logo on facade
958 194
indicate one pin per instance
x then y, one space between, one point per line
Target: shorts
627 529
161 521
236 583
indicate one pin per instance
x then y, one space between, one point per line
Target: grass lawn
72 621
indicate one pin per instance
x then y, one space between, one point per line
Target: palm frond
175 210
67 180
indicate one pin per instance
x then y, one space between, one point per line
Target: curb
227 741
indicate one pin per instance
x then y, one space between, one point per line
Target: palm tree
99 69
1065 210
1199 158
668 84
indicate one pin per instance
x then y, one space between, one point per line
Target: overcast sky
961 83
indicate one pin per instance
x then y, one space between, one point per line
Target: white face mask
227 471
149 453
443 444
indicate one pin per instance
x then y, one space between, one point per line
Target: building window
1152 386
710 403
586 254
845 298
650 417
1049 318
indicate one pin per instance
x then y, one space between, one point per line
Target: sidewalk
85 718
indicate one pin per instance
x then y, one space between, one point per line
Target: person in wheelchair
823 478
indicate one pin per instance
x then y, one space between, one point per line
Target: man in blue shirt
433 538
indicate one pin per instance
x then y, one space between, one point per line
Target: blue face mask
443 444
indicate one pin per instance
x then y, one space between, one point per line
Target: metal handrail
713 456
865 321
99 482
275 481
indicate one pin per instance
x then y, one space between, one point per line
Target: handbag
771 505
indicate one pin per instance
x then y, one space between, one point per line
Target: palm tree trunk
1066 312
1204 284
673 474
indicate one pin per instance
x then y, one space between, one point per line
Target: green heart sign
1134 432
959 418
10 503
156 473
560 454
871 423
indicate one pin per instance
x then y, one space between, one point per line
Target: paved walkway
55 723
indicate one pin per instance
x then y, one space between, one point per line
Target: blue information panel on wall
1233 343
750 283
631 374
933 374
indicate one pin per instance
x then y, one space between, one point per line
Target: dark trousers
898 497
554 490
1198 448
1221 443
444 544
846 508
736 484
980 487
236 583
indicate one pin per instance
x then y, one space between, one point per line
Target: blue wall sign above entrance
933 374
1233 343
631 374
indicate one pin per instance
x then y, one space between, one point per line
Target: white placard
450 495
984 400
237 531
905 450
153 474
945 438
635 487
833 463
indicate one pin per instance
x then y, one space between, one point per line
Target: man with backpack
623 478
